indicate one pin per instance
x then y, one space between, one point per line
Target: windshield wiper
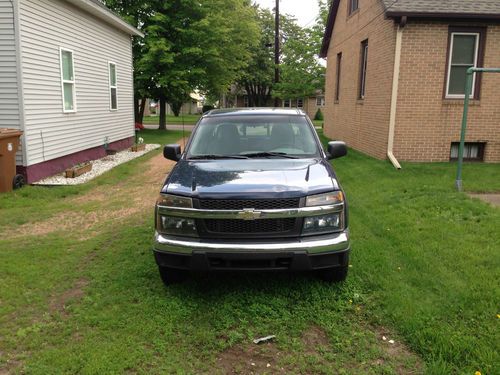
213 156
266 154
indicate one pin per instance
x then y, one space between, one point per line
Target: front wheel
171 276
333 275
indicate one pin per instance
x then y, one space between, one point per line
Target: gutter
394 97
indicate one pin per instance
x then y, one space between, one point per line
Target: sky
305 11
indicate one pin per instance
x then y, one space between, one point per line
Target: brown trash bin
9 144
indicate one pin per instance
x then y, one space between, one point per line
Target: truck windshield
257 136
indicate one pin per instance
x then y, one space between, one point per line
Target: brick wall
363 124
426 124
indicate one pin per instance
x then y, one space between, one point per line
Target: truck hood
250 179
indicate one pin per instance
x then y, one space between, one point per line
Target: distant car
253 190
139 126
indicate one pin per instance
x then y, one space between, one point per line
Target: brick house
396 75
309 105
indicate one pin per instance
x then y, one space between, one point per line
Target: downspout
394 97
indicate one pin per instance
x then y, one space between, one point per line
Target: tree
302 73
258 77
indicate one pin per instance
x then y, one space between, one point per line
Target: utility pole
277 48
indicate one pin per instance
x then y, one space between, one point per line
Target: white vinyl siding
9 94
113 87
47 26
464 51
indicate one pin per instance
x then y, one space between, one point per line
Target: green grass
425 269
172 120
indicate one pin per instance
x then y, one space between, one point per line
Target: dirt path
109 202
493 199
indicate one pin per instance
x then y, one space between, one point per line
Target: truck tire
171 276
333 275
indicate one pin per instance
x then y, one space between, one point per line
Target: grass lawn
172 120
80 293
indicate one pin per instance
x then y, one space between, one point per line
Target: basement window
473 151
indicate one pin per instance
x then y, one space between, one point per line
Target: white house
66 81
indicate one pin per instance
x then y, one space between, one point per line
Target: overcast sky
305 11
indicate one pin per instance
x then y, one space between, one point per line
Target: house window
364 64
300 103
320 101
473 151
465 51
337 77
353 6
245 101
113 99
287 103
68 81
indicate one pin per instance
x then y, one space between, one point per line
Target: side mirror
172 152
336 149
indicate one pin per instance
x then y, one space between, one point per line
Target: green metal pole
468 89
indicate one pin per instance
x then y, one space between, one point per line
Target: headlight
169 200
177 226
334 197
323 223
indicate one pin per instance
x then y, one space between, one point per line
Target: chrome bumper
311 245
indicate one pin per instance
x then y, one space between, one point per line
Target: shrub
319 115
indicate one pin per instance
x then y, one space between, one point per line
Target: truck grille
240 204
237 226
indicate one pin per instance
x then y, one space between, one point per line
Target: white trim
110 87
106 15
476 56
19 78
63 81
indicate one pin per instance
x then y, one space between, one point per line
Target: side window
465 51
337 76
353 6
68 81
363 67
113 98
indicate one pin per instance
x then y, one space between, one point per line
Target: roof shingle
450 7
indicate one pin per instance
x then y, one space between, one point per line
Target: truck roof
254 111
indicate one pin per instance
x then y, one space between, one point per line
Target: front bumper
318 252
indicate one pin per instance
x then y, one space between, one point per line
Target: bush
207 108
319 115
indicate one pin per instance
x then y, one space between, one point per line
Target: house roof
99 10
443 8
463 9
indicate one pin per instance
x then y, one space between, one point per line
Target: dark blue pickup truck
252 191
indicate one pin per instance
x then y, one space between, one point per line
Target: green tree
302 73
195 44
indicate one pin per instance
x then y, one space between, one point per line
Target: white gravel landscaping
99 167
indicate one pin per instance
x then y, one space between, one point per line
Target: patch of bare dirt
250 359
58 304
409 362
493 199
135 197
313 338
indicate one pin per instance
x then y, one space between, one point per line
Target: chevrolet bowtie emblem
249 214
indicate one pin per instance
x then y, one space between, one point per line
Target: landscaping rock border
99 167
